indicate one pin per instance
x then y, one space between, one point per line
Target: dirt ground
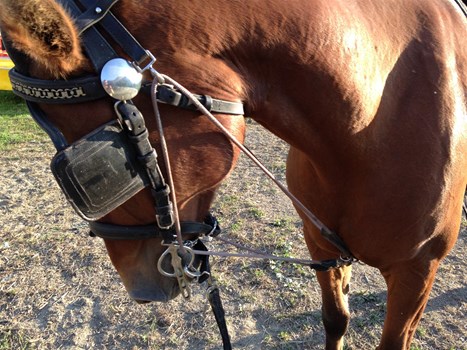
58 289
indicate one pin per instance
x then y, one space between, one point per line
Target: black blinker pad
99 172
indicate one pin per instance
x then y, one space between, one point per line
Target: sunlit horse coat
370 95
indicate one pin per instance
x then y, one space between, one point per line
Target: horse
370 96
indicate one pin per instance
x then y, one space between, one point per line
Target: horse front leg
409 286
334 283
335 286
335 310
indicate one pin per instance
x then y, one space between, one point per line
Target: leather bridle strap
167 94
90 88
56 91
119 232
97 48
100 52
138 135
94 13
214 299
51 130
112 26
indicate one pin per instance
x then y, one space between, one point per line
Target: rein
346 258
329 235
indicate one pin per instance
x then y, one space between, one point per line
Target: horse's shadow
451 297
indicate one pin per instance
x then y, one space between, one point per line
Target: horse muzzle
158 288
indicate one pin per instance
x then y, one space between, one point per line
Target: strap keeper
162 193
132 118
149 160
167 94
165 211
140 137
207 102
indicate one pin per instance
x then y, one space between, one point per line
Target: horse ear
45 32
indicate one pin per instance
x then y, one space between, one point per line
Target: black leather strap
97 48
167 94
333 238
41 119
326 265
219 314
147 156
56 91
95 12
90 88
118 232
117 31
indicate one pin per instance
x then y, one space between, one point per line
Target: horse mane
49 39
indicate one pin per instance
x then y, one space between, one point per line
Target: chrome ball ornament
120 79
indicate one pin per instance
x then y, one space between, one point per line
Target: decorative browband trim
90 88
56 91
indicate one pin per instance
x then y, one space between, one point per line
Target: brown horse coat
370 95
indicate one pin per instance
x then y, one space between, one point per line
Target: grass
16 125
13 339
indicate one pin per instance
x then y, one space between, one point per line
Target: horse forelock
45 32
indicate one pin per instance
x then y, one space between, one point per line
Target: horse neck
299 66
303 68
313 72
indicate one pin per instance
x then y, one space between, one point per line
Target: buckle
152 60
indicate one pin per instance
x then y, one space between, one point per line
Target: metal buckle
159 220
215 225
347 260
149 67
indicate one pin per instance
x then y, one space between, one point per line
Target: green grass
16 125
13 339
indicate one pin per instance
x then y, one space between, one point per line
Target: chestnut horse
370 95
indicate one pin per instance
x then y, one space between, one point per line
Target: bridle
90 88
135 152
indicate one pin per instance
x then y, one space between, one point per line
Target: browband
90 88
56 91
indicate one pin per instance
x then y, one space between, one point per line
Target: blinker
120 79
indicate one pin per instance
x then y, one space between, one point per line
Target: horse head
46 42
